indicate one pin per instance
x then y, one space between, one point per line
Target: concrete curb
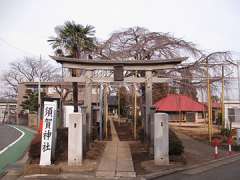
196 168
3 174
29 129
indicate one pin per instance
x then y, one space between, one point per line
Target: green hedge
175 144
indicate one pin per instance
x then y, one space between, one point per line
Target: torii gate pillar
88 103
148 103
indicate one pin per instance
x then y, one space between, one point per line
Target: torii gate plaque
118 73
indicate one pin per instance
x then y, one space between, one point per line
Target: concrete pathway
116 160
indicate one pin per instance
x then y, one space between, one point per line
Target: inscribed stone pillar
88 102
148 102
75 139
161 139
48 134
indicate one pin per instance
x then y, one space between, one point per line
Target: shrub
35 147
225 132
236 147
141 134
175 144
60 149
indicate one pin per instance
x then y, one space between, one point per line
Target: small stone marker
161 136
75 139
49 120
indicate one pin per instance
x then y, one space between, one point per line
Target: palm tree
73 40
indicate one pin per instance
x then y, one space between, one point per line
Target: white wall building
7 111
231 113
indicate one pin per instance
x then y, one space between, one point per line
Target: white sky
25 25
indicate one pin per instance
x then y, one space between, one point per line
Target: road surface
227 172
8 135
16 150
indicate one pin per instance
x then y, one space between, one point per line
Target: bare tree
138 43
29 70
192 77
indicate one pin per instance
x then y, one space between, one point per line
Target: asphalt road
7 135
226 172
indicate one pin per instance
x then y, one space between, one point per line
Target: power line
15 47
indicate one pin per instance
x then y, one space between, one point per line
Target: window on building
200 115
231 114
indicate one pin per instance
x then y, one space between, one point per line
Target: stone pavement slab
116 160
125 166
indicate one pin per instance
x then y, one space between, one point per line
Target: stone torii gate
91 65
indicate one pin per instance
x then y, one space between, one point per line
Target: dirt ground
109 135
124 131
195 131
89 165
139 154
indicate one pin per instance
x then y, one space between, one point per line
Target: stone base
162 161
126 174
105 174
37 169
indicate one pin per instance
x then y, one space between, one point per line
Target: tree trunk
75 92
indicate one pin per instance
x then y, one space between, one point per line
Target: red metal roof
215 105
178 102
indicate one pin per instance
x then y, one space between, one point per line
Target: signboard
48 132
118 73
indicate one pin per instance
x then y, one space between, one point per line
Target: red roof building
181 108
178 102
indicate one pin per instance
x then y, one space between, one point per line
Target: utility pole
119 105
101 111
238 130
238 74
209 106
61 98
222 98
135 112
106 109
39 95
179 108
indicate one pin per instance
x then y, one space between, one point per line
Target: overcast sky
25 25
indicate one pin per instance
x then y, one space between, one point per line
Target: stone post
161 139
75 139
